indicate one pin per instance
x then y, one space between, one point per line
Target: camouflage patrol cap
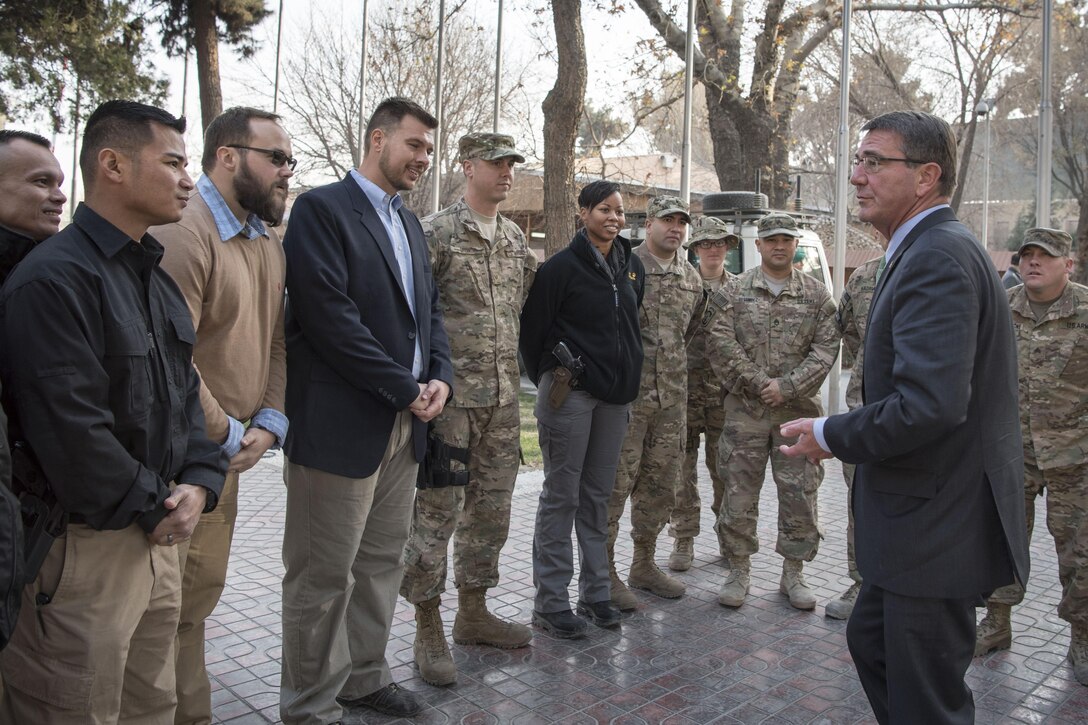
1054 242
487 146
710 227
777 223
661 206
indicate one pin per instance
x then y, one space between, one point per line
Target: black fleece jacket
593 307
13 247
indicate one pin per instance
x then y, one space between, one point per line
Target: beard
397 177
262 201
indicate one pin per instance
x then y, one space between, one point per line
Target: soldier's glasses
872 163
711 243
278 157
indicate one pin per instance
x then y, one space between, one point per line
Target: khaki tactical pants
95 639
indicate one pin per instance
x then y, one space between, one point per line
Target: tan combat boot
475 625
620 595
793 585
646 575
995 630
683 552
842 607
737 583
431 651
1078 652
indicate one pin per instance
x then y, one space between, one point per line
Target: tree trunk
747 143
562 109
206 42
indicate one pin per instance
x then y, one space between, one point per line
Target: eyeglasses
872 164
711 243
278 157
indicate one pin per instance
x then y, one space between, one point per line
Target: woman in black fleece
586 296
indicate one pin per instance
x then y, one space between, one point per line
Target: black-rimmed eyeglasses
278 157
872 163
711 243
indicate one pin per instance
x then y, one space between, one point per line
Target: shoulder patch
632 276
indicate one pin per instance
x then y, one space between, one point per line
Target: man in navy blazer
938 504
368 364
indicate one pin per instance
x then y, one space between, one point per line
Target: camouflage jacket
792 338
853 316
702 382
1053 355
671 299
481 287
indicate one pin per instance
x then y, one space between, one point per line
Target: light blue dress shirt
388 208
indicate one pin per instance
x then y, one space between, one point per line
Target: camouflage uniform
1053 355
705 397
649 466
792 338
705 415
853 316
482 286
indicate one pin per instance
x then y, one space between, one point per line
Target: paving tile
682 662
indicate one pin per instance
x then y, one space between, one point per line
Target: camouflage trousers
476 515
851 558
1067 519
705 417
745 446
648 471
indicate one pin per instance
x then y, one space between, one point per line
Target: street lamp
985 108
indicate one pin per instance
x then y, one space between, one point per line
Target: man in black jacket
30 209
96 345
11 542
30 195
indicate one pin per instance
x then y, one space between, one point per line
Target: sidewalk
683 661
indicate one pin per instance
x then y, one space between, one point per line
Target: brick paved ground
683 661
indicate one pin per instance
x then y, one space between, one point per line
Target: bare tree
1070 74
750 122
562 108
664 119
978 53
885 76
944 62
321 89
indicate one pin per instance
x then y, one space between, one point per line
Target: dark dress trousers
938 493
346 381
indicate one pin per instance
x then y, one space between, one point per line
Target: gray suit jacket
938 494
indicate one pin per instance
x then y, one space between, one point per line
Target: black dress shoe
390 700
603 614
564 625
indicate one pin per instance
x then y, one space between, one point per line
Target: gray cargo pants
580 443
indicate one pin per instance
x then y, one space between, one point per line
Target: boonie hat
1054 242
487 146
710 227
777 223
661 206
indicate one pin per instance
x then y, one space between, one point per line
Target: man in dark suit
938 503
368 364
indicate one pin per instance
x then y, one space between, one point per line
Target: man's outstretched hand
806 444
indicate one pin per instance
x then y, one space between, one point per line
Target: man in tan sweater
230 267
